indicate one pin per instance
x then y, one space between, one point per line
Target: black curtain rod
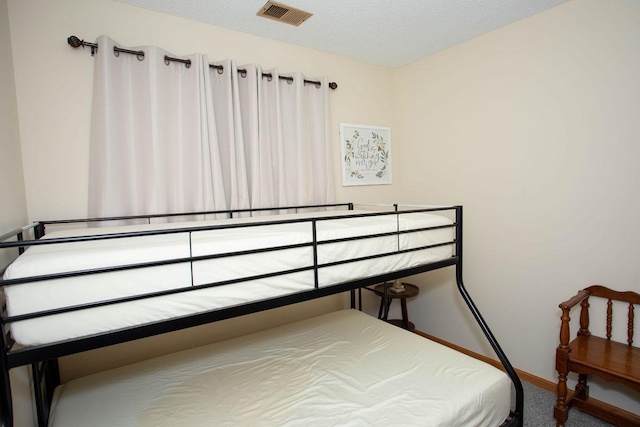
75 42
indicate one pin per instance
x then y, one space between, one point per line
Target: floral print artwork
366 155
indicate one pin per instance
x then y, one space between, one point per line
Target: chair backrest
629 297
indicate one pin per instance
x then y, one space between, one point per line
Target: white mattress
343 368
56 258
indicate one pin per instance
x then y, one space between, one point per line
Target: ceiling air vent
283 13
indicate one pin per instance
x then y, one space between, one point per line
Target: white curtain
170 138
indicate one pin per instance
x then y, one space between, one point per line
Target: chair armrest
575 300
565 318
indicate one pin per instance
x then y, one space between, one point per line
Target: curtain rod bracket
75 43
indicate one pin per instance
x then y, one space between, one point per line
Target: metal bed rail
312 266
50 352
229 213
18 233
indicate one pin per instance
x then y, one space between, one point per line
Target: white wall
534 129
12 194
14 212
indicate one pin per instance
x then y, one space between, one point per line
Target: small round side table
409 292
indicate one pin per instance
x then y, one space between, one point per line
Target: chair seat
613 361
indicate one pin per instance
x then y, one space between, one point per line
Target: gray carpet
538 410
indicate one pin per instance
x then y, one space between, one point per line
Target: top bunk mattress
342 368
232 268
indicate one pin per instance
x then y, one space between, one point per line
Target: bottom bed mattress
342 368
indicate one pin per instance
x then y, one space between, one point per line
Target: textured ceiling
390 33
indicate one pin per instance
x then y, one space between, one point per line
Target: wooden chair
592 355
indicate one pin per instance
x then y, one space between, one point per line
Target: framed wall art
366 154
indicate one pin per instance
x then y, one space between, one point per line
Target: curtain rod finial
75 41
333 85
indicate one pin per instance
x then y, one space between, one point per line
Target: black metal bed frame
44 358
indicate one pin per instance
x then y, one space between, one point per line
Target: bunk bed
79 288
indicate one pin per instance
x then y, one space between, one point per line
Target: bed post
517 414
6 403
39 230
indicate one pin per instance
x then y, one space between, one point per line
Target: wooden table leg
405 314
381 313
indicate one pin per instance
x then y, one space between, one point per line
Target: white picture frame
366 154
